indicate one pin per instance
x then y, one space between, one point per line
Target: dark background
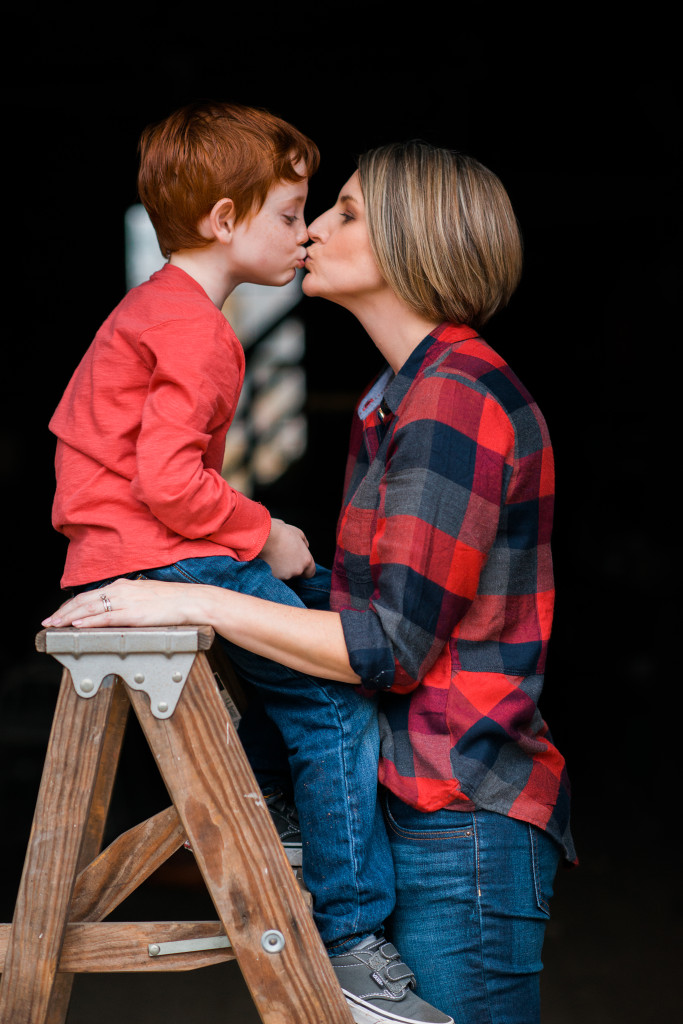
579 119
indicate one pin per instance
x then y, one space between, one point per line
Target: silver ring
106 602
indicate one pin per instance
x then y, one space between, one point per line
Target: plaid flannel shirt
443 578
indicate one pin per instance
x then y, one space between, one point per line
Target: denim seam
183 572
541 901
427 836
481 916
354 852
351 831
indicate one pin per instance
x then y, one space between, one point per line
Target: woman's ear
219 223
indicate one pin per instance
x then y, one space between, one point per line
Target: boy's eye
289 219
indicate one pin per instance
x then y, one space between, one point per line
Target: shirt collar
446 333
398 386
389 390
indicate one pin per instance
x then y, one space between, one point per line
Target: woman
442 589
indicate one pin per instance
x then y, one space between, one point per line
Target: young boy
142 424
141 432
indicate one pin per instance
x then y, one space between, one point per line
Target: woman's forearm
309 641
306 640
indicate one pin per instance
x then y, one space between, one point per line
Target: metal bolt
153 949
177 677
273 941
87 686
139 677
162 706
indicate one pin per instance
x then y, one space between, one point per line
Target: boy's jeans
331 742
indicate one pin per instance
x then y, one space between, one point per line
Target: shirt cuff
370 654
246 529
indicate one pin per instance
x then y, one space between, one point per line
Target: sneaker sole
364 1013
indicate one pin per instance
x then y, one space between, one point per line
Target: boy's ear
220 222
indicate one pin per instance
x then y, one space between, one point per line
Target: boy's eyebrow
294 198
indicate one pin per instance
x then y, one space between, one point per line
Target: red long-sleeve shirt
141 434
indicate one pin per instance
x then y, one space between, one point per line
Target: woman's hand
133 603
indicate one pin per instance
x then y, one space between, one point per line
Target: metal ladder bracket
154 661
188 945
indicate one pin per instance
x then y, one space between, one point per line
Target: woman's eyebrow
347 199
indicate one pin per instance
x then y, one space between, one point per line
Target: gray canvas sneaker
378 986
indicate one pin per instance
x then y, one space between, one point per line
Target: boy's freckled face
268 247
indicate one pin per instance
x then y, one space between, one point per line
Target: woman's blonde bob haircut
442 230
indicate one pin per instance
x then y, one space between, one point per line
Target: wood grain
122 947
60 823
240 856
125 864
68 886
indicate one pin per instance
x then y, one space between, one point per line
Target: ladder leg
106 775
240 856
60 823
94 834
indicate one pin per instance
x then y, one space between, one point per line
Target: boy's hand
286 552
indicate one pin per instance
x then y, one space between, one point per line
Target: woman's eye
346 217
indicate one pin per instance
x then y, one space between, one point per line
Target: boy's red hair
209 151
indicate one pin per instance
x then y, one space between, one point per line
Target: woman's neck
394 327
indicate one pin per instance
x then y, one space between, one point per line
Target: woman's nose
316 229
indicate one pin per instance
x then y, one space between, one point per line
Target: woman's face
340 265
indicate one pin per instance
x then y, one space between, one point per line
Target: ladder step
123 946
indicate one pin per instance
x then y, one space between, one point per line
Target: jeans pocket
422 826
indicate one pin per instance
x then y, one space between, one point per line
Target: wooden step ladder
68 886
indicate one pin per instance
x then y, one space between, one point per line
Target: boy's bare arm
286 551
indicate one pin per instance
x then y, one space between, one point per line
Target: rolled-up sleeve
423 539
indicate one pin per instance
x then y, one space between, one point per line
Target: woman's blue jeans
329 741
472 894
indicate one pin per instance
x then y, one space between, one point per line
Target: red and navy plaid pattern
443 578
